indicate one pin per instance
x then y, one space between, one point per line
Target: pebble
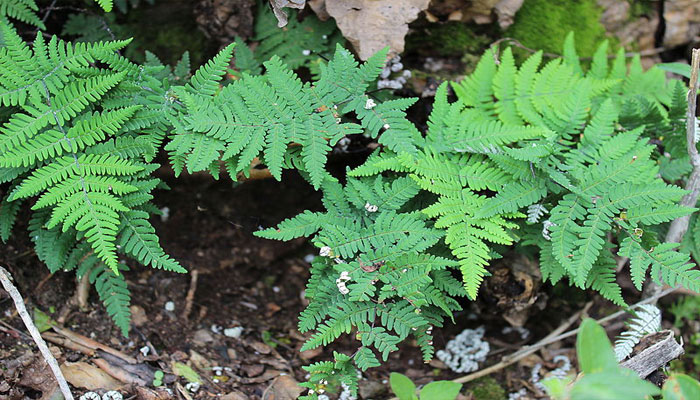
170 306
234 332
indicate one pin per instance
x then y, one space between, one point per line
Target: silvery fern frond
646 319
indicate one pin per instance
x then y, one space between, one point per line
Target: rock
638 32
284 387
234 396
234 332
505 10
371 389
682 19
202 336
138 316
371 25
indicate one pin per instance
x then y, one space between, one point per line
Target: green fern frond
112 288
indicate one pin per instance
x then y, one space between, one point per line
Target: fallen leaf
278 5
186 372
87 376
199 361
143 393
234 396
284 387
253 370
371 25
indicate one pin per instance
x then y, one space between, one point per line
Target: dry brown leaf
87 376
278 5
284 387
371 25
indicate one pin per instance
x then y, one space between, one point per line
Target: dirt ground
243 282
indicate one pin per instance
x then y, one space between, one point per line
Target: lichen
543 25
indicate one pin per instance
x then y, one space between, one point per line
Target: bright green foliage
405 389
300 43
105 4
518 141
21 10
603 378
394 286
78 145
269 116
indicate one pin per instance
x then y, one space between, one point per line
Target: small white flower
170 306
396 67
406 74
370 104
144 350
112 395
90 396
370 207
216 328
386 126
217 370
306 52
325 251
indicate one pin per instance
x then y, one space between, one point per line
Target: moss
446 40
487 388
543 25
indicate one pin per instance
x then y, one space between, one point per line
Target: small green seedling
405 389
158 378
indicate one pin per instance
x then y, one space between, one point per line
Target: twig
679 226
27 319
190 294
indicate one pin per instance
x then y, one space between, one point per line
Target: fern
77 146
261 116
646 319
384 253
22 10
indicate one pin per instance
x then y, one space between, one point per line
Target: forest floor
256 287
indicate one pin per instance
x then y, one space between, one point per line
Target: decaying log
655 351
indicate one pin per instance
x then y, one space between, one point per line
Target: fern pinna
78 143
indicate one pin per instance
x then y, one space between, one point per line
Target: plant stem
679 226
5 277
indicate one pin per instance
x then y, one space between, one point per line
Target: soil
245 282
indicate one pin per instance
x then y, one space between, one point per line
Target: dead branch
679 226
5 277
